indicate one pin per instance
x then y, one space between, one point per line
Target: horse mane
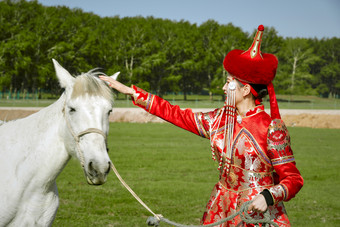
89 83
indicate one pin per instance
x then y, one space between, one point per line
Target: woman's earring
232 85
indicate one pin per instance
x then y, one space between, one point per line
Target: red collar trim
256 110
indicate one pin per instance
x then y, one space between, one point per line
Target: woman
252 148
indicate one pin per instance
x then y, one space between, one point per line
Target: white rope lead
133 193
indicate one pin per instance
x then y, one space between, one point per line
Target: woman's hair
261 90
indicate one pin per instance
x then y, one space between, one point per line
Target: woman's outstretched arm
186 119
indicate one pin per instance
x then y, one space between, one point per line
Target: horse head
88 104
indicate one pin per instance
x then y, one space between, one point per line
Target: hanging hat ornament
229 112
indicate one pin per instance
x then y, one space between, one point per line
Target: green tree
158 55
227 38
327 82
298 56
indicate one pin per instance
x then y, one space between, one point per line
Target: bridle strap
91 130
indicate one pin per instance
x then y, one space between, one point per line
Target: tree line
158 55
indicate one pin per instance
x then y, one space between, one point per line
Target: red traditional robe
261 151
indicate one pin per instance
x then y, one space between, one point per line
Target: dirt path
293 118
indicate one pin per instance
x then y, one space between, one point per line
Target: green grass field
172 171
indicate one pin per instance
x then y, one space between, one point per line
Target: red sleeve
282 158
186 119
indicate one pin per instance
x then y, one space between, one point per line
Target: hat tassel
274 108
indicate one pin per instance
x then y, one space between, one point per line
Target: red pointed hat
253 66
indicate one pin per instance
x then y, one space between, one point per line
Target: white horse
34 150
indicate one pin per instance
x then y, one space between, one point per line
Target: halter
80 134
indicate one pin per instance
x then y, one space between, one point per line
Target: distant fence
18 95
44 98
25 95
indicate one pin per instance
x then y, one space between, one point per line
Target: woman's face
238 89
225 87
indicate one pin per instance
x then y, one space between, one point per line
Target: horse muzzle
95 181
96 174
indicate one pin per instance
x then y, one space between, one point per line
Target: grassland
172 171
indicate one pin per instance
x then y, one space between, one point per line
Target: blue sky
290 18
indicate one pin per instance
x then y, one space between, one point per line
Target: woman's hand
117 85
259 204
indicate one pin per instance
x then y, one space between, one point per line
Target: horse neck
55 155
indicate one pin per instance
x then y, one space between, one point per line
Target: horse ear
114 76
64 77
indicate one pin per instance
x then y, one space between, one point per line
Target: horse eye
72 110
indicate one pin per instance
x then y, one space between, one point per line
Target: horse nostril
108 169
92 171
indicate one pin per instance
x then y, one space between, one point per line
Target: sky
290 18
